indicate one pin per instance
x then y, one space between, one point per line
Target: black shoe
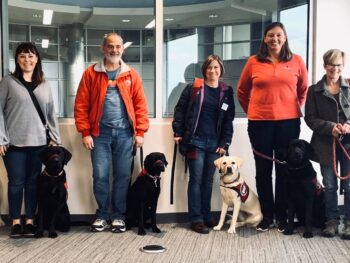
16 231
264 225
210 223
199 227
29 230
281 226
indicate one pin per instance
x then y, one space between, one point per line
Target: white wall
331 31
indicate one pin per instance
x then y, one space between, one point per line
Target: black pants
271 138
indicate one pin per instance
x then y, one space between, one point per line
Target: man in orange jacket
111 114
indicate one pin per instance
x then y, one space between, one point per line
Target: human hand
3 150
221 151
337 130
53 143
138 141
88 142
177 139
346 128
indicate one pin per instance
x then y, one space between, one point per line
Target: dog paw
52 235
308 235
141 232
217 228
231 231
39 234
288 231
156 230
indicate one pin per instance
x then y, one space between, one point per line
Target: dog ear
309 150
67 155
239 161
43 154
217 162
164 160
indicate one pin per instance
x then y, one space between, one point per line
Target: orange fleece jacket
91 95
273 91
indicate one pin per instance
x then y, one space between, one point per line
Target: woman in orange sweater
271 90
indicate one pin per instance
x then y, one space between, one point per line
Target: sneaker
346 231
331 228
16 231
281 226
264 225
118 226
99 225
29 230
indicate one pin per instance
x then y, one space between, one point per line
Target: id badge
224 106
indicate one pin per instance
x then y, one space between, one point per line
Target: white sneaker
99 225
118 226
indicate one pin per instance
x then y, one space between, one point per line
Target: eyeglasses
335 65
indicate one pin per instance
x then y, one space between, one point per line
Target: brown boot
331 228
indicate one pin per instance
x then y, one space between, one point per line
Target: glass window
38 33
18 33
232 31
72 43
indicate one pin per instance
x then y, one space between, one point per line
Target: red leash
336 140
268 157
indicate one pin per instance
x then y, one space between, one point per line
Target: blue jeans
200 186
23 168
330 182
112 145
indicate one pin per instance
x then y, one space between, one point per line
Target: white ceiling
92 14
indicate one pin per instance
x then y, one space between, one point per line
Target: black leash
173 175
134 151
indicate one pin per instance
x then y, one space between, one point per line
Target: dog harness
241 189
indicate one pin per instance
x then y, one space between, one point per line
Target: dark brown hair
209 60
285 54
38 74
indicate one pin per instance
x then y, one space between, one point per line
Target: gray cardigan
20 124
322 114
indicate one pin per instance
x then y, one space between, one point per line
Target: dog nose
229 169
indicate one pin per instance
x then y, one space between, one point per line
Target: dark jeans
23 168
201 168
271 138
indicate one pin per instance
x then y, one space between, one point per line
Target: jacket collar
199 83
321 85
100 66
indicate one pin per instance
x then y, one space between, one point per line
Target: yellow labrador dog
236 194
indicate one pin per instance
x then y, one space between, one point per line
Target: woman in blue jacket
202 123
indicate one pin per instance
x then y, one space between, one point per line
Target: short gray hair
110 34
331 55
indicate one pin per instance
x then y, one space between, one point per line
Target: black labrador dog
305 194
143 194
53 212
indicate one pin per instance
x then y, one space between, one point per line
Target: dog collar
155 179
47 174
239 175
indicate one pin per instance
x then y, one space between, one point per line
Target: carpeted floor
183 245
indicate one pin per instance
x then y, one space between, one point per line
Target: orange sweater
91 95
273 91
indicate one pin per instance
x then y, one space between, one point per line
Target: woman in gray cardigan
22 134
327 113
